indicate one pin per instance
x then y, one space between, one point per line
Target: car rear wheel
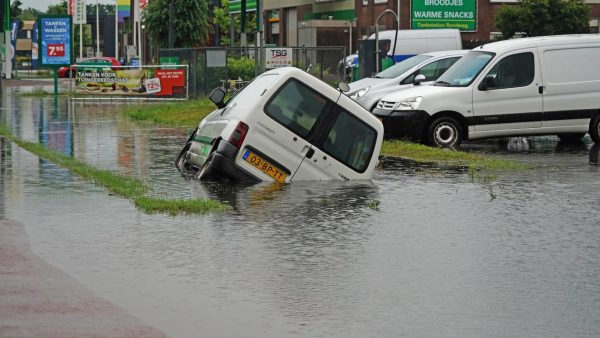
444 132
595 129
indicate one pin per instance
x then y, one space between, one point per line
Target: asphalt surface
39 300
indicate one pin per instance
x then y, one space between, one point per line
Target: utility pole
97 31
7 43
171 10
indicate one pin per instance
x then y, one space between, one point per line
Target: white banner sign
278 57
79 14
152 85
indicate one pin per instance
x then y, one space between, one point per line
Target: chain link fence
214 67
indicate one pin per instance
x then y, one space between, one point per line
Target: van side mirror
217 96
344 87
488 82
418 79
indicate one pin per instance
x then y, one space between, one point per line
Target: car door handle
541 89
310 153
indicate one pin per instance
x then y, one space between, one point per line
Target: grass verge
423 153
121 185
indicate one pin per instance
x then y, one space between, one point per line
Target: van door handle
541 89
310 153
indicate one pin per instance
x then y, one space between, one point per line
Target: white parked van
368 91
520 87
286 125
410 42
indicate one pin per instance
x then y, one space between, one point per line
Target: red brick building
328 22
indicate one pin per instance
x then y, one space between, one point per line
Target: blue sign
14 30
55 40
34 46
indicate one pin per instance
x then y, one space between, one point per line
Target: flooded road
442 255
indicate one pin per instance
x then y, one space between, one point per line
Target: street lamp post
377 51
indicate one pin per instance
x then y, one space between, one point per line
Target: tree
29 14
103 9
222 18
15 9
543 17
61 8
189 22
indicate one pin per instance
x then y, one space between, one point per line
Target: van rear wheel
181 162
595 129
444 132
205 173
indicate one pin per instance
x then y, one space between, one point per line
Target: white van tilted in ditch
285 125
530 86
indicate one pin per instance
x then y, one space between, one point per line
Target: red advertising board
130 81
172 81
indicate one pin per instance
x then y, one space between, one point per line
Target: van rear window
297 107
351 141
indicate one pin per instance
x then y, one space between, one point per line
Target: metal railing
207 72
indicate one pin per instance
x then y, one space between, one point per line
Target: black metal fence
209 67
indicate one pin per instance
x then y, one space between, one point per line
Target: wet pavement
443 254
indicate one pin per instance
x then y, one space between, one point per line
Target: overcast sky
42 5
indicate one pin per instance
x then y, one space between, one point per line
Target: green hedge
240 68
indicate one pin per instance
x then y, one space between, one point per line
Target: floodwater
443 254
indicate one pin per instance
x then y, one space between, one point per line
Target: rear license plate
264 166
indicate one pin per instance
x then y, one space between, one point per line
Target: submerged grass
121 185
176 113
174 207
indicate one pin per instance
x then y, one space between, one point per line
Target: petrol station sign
54 44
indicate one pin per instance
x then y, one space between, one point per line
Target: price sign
152 85
55 40
56 49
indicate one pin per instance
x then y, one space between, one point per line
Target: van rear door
345 147
281 137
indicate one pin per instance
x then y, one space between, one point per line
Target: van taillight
238 135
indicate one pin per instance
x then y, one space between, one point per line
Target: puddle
438 256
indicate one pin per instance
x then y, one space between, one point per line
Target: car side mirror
488 82
344 87
418 79
217 96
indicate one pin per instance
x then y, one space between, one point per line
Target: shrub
240 68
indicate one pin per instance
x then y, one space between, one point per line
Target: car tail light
238 135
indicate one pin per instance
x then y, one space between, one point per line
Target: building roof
23 44
28 25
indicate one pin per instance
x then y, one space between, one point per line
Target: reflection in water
518 144
594 150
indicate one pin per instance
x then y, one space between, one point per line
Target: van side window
513 71
432 71
297 107
351 141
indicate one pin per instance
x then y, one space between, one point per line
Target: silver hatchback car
368 91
